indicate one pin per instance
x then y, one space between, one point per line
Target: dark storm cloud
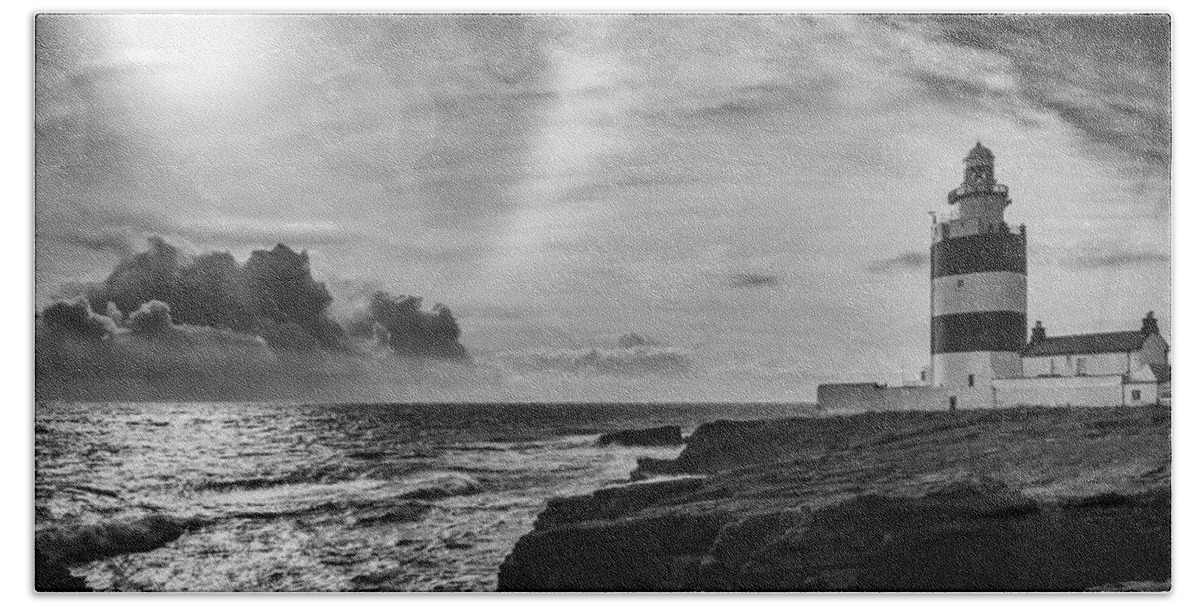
272 295
75 318
158 360
152 318
905 262
413 332
82 355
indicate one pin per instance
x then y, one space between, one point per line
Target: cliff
1001 500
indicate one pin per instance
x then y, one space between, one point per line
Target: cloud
413 332
273 295
75 318
751 280
905 262
1099 256
761 99
153 318
208 327
96 227
634 355
116 244
88 358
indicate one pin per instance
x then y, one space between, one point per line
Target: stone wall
873 397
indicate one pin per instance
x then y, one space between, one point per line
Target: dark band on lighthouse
988 252
994 330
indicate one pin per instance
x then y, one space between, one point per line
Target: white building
1116 368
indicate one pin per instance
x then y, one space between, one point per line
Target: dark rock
663 435
1137 586
920 501
610 503
651 467
659 554
55 550
56 578
940 543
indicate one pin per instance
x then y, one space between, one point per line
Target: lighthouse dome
980 152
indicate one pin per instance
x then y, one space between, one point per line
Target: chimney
1149 324
1038 334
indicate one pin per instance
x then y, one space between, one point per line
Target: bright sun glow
212 61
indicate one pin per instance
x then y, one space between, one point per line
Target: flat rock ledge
663 435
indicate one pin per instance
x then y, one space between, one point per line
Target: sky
750 192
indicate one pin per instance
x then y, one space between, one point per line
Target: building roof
1086 344
1162 372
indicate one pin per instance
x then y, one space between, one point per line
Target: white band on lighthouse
979 292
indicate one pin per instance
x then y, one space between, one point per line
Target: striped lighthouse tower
978 300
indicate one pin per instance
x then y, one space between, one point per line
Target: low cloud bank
633 354
152 359
175 328
272 295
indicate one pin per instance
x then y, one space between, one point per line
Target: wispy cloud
753 280
1108 76
905 262
1105 256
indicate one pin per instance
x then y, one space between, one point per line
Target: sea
352 497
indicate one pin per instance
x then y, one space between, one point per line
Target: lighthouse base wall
873 397
1075 391
968 377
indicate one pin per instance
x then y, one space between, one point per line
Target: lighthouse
978 300
978 353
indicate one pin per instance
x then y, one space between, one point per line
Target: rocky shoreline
1001 500
56 550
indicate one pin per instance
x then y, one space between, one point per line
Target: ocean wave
443 484
378 500
330 472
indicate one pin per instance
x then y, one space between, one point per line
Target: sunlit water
330 497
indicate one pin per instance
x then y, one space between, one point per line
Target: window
970 379
1081 366
953 402
1137 395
